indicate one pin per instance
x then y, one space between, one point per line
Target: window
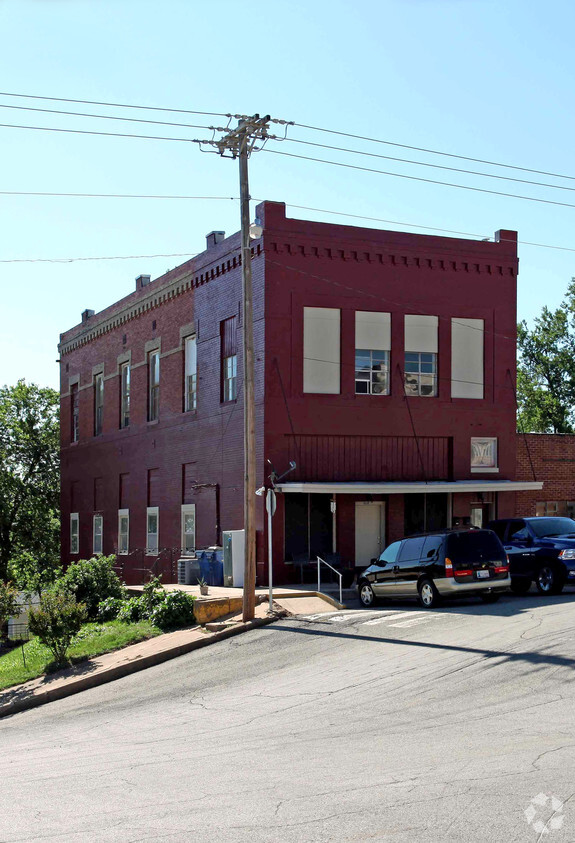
483 454
153 386
467 358
561 508
412 550
229 372
97 535
420 372
123 531
191 375
188 529
98 403
390 553
321 350
372 348
125 395
75 413
74 532
152 530
230 368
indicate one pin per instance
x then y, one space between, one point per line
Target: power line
435 152
419 178
119 105
100 258
102 134
111 195
427 164
105 117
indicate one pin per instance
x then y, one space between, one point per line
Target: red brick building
550 458
385 369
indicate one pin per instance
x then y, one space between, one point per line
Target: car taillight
464 573
448 567
501 569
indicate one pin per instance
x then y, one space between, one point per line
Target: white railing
319 561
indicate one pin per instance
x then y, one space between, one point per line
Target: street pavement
393 724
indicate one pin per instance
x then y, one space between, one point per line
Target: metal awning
399 488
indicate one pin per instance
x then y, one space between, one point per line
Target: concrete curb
82 683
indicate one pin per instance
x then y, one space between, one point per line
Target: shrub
57 620
108 609
131 610
175 609
8 602
92 580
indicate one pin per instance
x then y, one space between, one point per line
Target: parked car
540 550
450 563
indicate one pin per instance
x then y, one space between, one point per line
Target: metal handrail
319 559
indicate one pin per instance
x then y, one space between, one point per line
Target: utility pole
239 143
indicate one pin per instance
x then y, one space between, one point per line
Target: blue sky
487 80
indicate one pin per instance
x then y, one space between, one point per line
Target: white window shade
467 339
191 356
421 333
321 350
372 330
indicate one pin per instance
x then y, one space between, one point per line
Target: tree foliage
29 483
56 621
546 370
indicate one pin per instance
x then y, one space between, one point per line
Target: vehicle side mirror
374 561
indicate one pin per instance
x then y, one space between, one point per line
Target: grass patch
92 640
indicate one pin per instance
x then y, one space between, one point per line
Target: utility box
234 542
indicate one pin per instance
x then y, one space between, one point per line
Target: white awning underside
398 488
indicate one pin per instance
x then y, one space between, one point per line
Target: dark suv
540 550
450 563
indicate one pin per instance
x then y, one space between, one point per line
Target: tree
56 621
546 370
29 483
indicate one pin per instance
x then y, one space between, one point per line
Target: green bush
108 609
92 580
131 611
56 621
176 609
8 602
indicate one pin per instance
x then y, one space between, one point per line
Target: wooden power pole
238 143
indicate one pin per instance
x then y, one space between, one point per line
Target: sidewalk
110 666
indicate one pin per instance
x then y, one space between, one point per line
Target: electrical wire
436 152
112 195
427 164
419 178
103 134
101 258
119 105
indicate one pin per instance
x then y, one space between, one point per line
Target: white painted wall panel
321 349
467 339
372 330
421 333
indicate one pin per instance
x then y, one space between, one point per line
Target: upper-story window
229 358
75 413
321 350
420 368
97 534
74 532
372 349
98 403
125 395
467 365
153 385
191 375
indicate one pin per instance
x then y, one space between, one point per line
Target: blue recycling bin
205 573
216 571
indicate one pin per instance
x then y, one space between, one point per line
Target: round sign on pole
271 502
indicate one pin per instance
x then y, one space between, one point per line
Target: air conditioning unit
234 542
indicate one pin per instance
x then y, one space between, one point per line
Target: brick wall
549 457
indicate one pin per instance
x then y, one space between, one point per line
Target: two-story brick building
385 369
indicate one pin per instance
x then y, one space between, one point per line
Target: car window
412 549
474 546
518 532
389 554
552 526
432 546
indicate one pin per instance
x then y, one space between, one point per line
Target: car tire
429 596
490 598
366 595
547 580
520 585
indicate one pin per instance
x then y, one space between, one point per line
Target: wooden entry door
369 531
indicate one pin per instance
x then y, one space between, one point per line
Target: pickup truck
540 550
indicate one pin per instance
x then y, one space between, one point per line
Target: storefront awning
399 488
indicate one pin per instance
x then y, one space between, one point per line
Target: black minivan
451 563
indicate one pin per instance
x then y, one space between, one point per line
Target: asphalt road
397 724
